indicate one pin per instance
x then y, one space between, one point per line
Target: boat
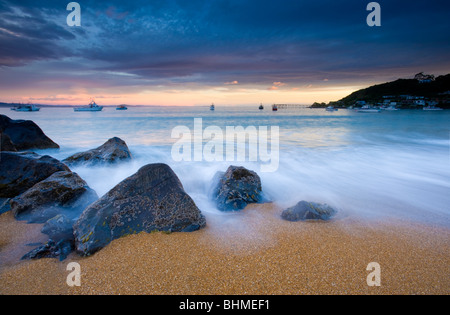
368 109
391 108
261 107
92 107
274 108
432 108
122 107
331 109
212 107
26 108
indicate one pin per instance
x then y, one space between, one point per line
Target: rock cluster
41 189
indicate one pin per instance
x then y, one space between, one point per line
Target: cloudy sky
194 52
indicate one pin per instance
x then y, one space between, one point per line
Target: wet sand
253 252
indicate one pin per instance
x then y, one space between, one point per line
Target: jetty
289 106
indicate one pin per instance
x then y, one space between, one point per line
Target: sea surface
370 166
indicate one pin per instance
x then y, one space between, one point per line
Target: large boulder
236 188
305 211
114 150
21 171
153 199
24 135
61 193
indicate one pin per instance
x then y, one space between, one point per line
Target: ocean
366 165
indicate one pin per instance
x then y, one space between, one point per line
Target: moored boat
261 107
432 108
331 109
92 107
212 107
26 108
391 108
122 107
368 109
274 108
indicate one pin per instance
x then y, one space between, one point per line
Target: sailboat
92 107
212 107
261 107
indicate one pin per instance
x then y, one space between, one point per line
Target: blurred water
366 165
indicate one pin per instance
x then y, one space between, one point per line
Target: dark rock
236 188
152 199
52 249
4 205
25 134
21 171
114 150
6 143
34 244
59 228
61 193
304 211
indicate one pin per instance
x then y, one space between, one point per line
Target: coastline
253 252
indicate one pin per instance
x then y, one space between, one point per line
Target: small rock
236 188
59 228
114 150
61 193
304 211
52 249
21 171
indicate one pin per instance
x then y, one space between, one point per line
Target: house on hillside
424 78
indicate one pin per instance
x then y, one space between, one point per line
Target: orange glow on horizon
237 95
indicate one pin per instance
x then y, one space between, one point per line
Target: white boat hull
88 109
28 109
368 110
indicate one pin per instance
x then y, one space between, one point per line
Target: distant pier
290 106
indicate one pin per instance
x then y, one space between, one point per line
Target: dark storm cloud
28 34
219 41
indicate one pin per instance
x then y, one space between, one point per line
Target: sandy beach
253 252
